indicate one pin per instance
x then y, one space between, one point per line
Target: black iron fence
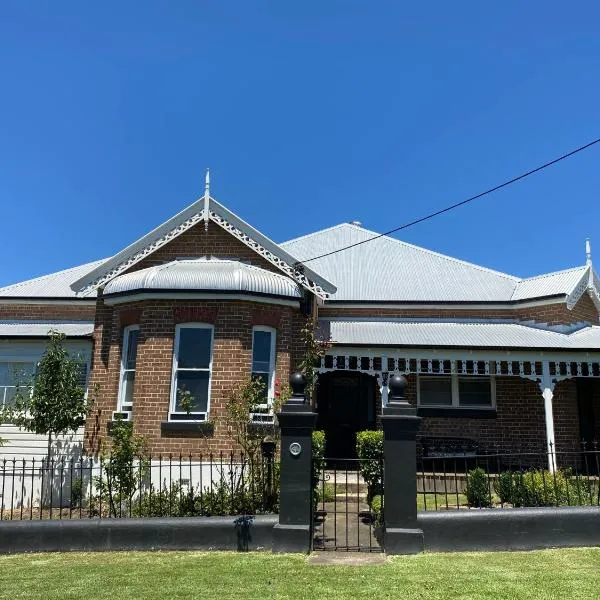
348 504
451 479
161 486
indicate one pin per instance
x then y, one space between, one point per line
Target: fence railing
448 479
161 486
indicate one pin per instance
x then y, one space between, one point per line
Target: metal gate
348 505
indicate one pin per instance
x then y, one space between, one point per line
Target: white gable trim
578 291
181 223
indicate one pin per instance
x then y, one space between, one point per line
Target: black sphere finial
397 384
298 385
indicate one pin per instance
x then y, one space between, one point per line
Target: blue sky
308 114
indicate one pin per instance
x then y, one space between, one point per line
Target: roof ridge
552 273
308 235
419 248
41 277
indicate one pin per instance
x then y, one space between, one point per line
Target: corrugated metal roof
550 284
391 270
387 269
205 275
53 285
191 211
41 328
457 334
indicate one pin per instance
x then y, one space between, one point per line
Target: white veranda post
547 387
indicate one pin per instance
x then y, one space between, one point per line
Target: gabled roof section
387 269
550 284
183 221
52 286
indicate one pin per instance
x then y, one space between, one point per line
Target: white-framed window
456 391
263 368
192 368
13 374
131 336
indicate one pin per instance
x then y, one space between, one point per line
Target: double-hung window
131 337
13 375
263 369
456 391
192 366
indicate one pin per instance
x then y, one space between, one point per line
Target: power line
463 202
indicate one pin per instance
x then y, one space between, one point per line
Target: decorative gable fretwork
575 296
139 254
378 363
296 274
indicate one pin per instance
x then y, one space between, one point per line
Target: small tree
52 402
314 348
125 466
241 403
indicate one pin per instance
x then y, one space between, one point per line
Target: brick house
205 301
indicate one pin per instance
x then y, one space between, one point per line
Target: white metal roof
387 269
205 275
457 334
550 284
54 285
180 223
41 328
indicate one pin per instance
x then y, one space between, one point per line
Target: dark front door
346 405
587 412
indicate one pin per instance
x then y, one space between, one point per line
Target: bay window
263 369
131 336
192 366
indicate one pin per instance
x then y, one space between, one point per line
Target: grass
433 501
568 573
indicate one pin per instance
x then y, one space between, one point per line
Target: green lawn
546 574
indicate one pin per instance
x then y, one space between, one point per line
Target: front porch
538 401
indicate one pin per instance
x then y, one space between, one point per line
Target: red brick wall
584 310
233 321
196 242
52 310
519 424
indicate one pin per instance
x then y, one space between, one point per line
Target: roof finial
588 252
206 214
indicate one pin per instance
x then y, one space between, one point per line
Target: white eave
183 221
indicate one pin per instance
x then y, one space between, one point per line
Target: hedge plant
538 487
369 448
478 492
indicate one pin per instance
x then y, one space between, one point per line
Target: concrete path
345 524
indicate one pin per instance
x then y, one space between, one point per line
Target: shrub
478 493
76 492
542 488
318 463
369 448
326 493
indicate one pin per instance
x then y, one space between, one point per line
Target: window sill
457 413
201 428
